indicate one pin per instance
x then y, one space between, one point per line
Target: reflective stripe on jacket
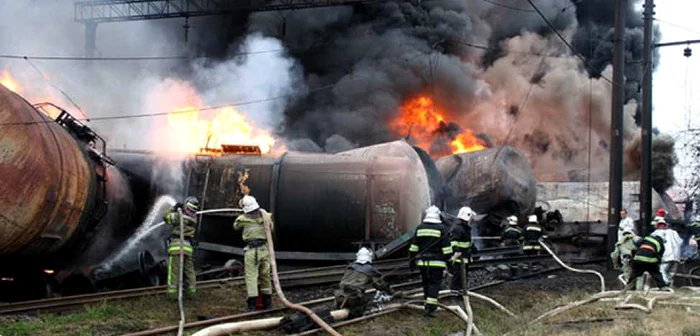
431 242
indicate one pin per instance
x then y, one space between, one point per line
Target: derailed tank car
499 181
323 205
61 202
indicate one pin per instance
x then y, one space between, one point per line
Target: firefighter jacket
253 227
625 248
532 233
172 217
432 244
695 230
361 277
512 235
461 241
650 250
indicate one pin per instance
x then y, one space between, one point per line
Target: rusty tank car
495 180
324 205
62 203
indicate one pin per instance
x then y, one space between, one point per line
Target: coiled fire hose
278 288
181 325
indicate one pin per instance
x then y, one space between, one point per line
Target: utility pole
616 123
645 183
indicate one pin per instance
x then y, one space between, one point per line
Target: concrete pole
645 211
616 130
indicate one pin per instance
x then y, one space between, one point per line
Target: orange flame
7 81
228 127
422 120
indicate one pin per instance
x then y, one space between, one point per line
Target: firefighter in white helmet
512 235
257 257
358 278
533 233
461 242
431 250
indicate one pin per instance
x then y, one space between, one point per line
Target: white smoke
119 88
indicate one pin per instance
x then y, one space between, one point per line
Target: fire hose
278 288
181 325
602 279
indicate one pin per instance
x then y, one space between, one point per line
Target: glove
179 205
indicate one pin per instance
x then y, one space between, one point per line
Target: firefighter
623 254
431 249
171 217
257 257
359 276
533 233
660 215
512 236
650 251
461 242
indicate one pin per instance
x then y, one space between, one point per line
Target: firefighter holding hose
257 257
171 217
431 249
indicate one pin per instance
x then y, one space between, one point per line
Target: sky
676 86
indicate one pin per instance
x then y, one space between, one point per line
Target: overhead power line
157 114
127 58
677 26
509 6
568 45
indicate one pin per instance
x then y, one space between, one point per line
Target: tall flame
228 127
424 122
9 82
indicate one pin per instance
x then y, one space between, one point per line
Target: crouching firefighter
256 258
171 217
461 243
359 276
431 248
623 254
650 250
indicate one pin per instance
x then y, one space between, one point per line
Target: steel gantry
92 13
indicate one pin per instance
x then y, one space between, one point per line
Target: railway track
294 278
249 315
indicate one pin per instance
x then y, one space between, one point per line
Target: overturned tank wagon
497 181
324 205
62 203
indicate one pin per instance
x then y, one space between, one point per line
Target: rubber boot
430 310
250 304
267 301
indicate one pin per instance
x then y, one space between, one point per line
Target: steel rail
241 316
300 277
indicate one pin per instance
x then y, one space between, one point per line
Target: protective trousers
627 272
456 271
668 270
431 274
638 269
190 277
257 270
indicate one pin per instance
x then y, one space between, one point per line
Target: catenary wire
156 114
568 45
